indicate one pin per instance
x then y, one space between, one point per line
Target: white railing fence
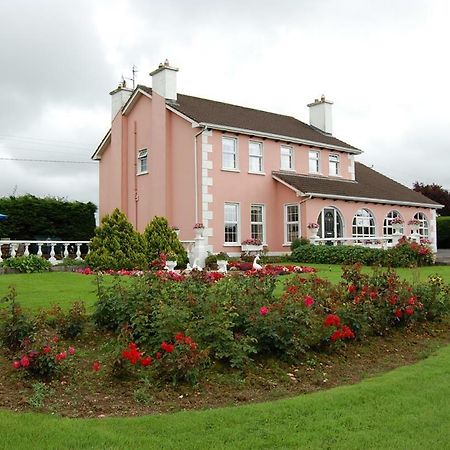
54 251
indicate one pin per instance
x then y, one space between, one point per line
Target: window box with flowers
313 228
251 245
397 225
199 228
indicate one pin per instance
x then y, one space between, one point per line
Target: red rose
47 349
158 355
179 336
393 299
398 313
16 364
373 295
263 310
96 366
309 301
24 361
71 351
412 300
409 310
336 336
146 361
332 320
351 289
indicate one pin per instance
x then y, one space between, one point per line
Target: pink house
245 173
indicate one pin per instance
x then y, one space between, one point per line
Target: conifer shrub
116 245
160 238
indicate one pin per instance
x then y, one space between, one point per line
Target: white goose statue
256 266
195 266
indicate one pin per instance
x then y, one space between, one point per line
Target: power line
47 160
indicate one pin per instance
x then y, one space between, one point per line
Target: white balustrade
11 248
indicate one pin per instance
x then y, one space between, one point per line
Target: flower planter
170 265
397 228
313 233
198 232
222 265
251 248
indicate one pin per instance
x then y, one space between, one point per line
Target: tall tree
437 193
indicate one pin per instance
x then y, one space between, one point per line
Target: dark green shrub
70 324
298 242
211 260
443 232
160 238
27 264
116 245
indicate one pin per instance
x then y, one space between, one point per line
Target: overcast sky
384 64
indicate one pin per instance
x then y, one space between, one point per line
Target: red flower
373 295
24 361
347 333
336 336
47 349
357 299
16 364
61 356
71 351
158 355
146 361
188 340
409 310
398 313
351 289
55 339
412 300
292 289
332 320
132 354
263 310
193 346
179 337
167 347
96 366
309 301
393 299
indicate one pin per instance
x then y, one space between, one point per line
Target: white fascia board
374 200
101 148
297 192
281 138
183 116
133 99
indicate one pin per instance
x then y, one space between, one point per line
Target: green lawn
407 408
41 290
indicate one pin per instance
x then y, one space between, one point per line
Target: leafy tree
437 193
33 218
116 245
160 238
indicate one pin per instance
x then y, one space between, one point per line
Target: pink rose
71 350
263 310
309 301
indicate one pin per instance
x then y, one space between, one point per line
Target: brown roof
209 111
369 184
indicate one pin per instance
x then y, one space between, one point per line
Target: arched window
330 223
424 226
363 224
388 230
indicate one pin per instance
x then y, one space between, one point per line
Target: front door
328 223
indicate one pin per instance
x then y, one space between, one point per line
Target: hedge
443 232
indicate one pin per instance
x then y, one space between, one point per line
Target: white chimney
320 115
164 81
119 97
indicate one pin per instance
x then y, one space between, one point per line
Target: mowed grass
407 408
42 290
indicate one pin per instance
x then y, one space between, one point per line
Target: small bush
27 264
298 242
71 324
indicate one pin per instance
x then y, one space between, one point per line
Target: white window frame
388 230
424 227
237 222
258 157
287 223
314 155
290 157
142 156
235 153
372 227
262 223
334 167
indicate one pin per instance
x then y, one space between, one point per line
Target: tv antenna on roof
134 71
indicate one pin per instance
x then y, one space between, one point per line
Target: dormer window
333 165
314 162
287 158
142 163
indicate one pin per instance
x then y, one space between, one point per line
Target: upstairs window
287 158
314 162
333 165
142 163
255 157
229 153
